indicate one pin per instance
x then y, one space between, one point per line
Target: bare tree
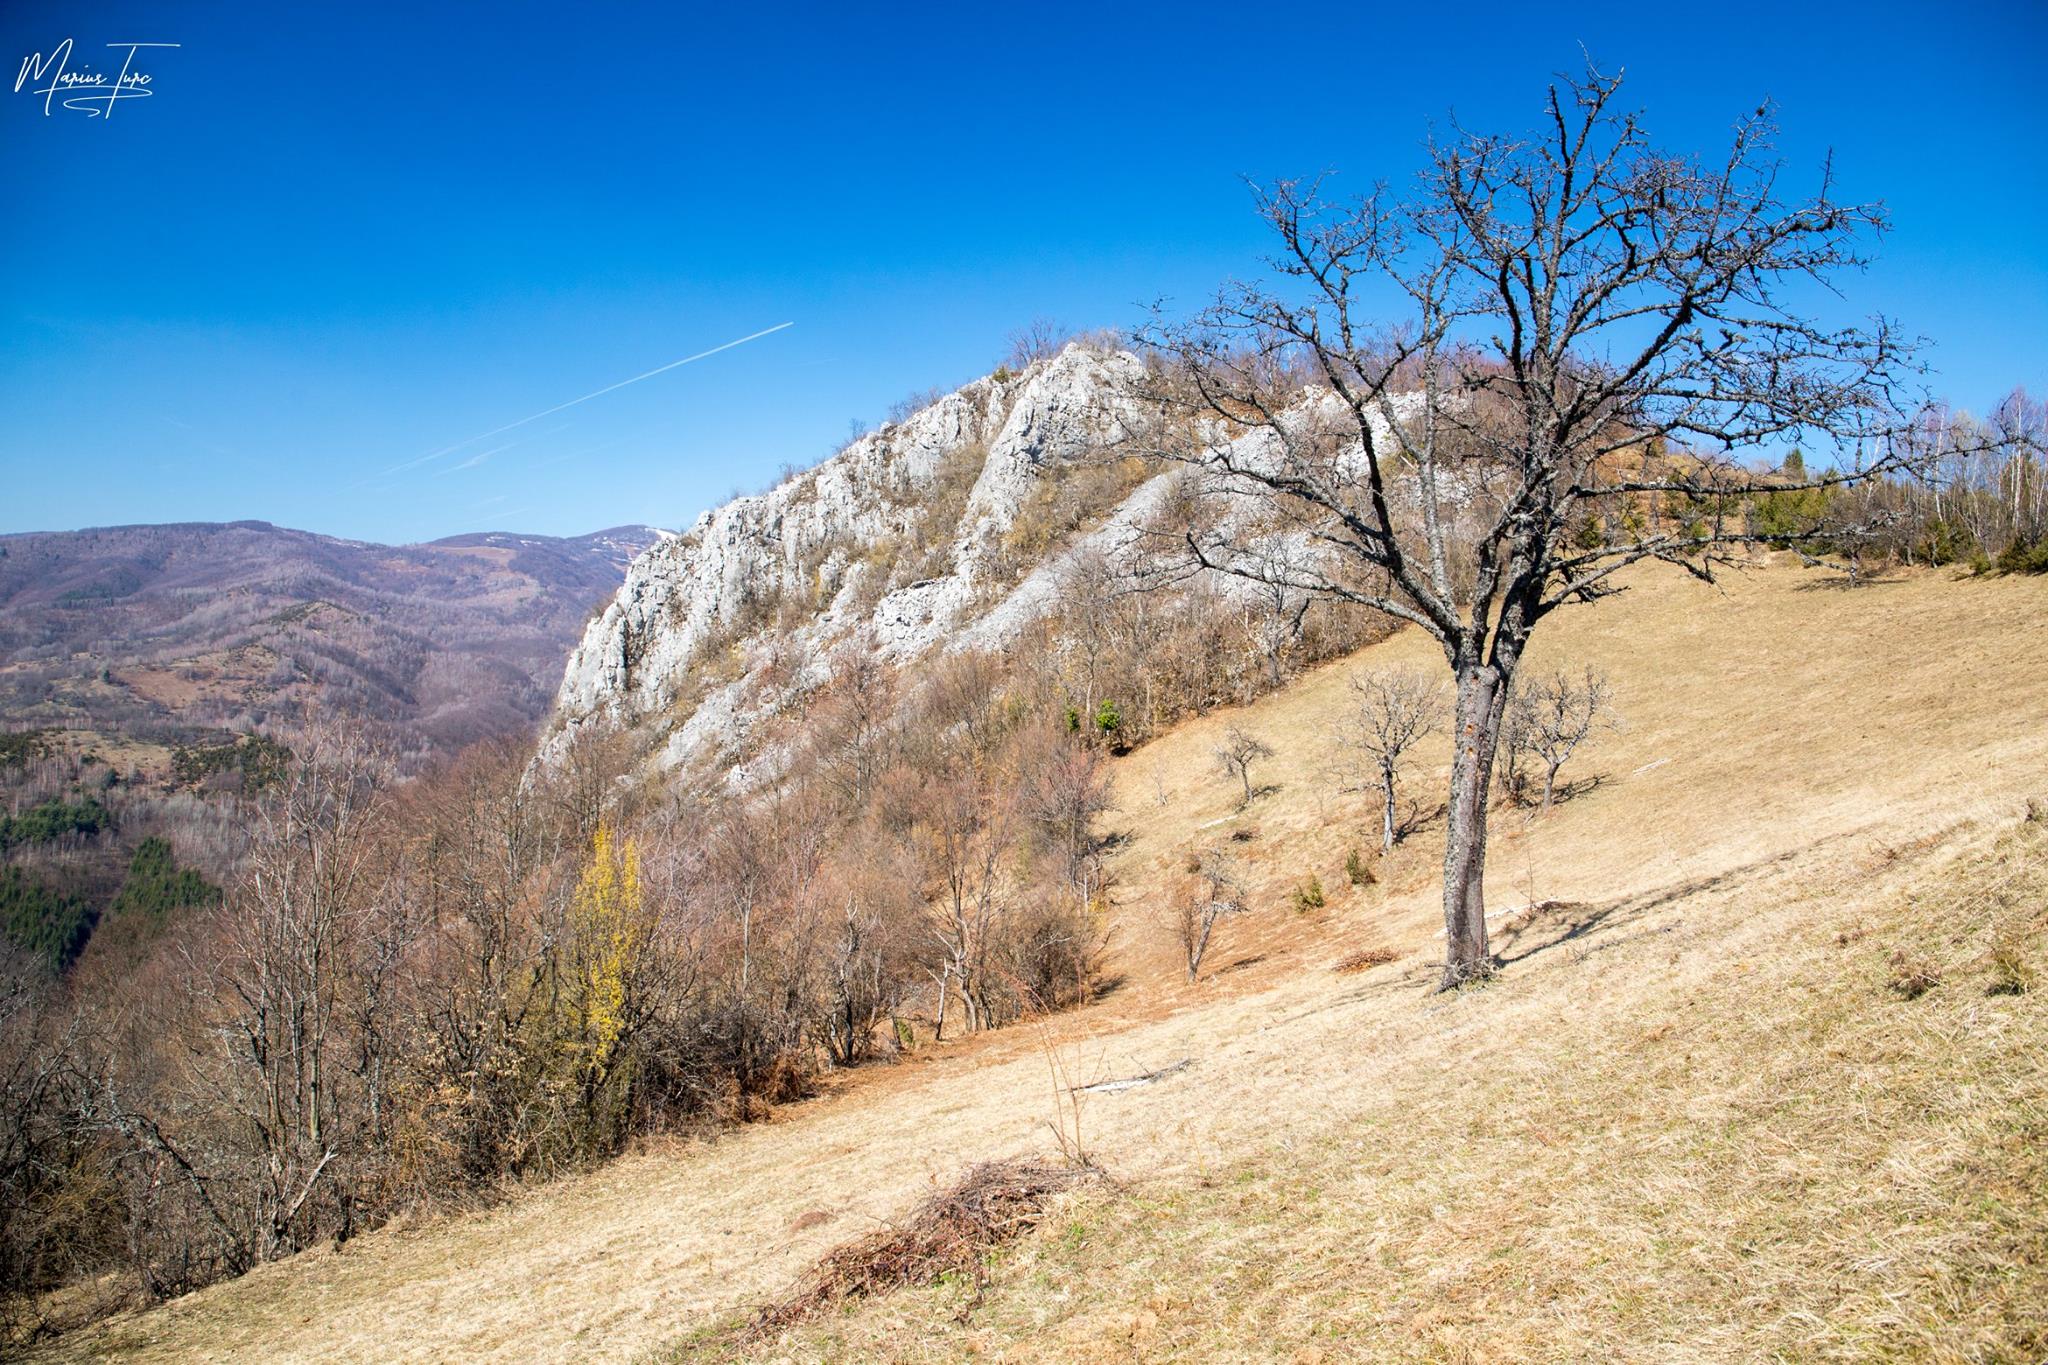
1598 336
1235 756
275 1126
1273 612
1214 891
1065 788
963 823
1391 711
851 734
1040 340
1549 717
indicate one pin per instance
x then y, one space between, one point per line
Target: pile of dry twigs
949 1231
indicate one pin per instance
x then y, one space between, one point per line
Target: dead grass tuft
2011 972
1913 976
948 1234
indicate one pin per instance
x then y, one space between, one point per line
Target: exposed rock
829 551
826 539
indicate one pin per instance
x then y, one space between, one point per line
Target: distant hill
143 639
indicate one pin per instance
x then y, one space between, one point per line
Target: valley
132 642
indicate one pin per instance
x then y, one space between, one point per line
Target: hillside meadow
1762 1078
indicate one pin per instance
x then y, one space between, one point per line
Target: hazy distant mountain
153 636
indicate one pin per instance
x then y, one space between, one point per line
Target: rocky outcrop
822 551
909 537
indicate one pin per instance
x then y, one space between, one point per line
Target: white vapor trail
597 393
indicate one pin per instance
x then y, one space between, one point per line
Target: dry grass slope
1697 1119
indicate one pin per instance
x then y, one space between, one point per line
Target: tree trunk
1480 702
1387 810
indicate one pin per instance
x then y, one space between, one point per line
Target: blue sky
338 238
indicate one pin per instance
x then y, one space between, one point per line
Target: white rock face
824 543
812 539
676 653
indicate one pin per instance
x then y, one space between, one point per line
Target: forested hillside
139 640
155 681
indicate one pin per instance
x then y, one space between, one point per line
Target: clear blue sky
340 237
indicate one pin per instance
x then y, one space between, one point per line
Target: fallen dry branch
950 1231
1133 1082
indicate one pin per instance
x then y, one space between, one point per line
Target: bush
158 888
2020 558
247 763
52 820
1357 870
1309 895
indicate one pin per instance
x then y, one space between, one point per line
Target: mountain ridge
179 633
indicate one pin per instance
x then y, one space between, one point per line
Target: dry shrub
1912 977
949 1232
1365 959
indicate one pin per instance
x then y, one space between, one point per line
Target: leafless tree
1064 790
1215 890
1549 717
1598 336
964 821
1235 756
851 731
1273 611
1040 340
278 1113
1391 711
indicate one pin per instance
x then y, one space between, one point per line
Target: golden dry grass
1692 1121
1736 1144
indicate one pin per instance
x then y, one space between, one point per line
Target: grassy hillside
1764 1076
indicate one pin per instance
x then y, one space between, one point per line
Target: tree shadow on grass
1839 579
1418 819
1582 919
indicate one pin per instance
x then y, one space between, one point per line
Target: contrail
598 393
482 455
